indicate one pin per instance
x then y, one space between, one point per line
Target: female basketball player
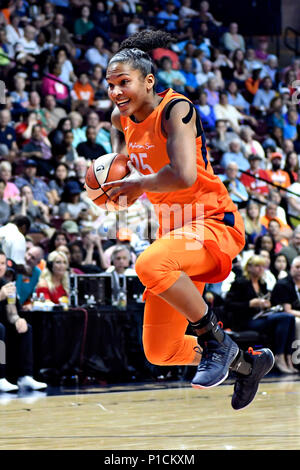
200 229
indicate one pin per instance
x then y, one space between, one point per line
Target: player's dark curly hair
136 48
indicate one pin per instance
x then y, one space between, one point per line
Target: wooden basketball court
169 416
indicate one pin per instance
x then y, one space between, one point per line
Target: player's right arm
117 135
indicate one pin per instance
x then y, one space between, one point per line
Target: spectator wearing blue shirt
236 99
40 188
166 18
206 113
264 95
191 85
7 132
290 127
236 189
235 155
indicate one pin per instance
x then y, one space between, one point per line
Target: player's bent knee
150 266
159 356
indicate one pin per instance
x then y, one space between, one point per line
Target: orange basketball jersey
147 149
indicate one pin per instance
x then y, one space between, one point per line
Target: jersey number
138 161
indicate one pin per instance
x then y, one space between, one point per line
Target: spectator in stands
290 130
82 92
71 206
56 184
223 136
236 99
120 260
83 26
12 238
36 211
240 72
17 335
19 95
232 40
166 18
11 191
247 297
236 189
191 85
80 168
252 83
103 131
81 260
7 136
52 85
65 152
124 237
286 293
169 78
292 166
206 113
40 188
271 212
270 68
98 54
280 266
253 226
27 45
53 113
90 149
250 145
264 96
56 136
39 149
27 282
207 73
275 116
276 174
54 280
293 249
293 204
14 31
256 179
225 111
59 237
60 36
67 74
265 242
275 230
235 155
5 208
211 90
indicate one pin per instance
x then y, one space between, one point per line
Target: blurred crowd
55 119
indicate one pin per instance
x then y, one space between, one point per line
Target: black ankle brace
207 328
241 365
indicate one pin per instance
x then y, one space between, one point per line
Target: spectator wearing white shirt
12 238
227 112
97 54
264 95
13 32
27 44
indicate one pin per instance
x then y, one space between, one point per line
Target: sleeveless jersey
147 149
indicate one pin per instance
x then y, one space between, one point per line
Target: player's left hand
130 187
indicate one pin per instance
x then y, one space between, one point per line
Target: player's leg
165 269
164 335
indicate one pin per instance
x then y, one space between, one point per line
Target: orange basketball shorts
205 253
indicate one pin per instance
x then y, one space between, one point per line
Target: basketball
108 167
